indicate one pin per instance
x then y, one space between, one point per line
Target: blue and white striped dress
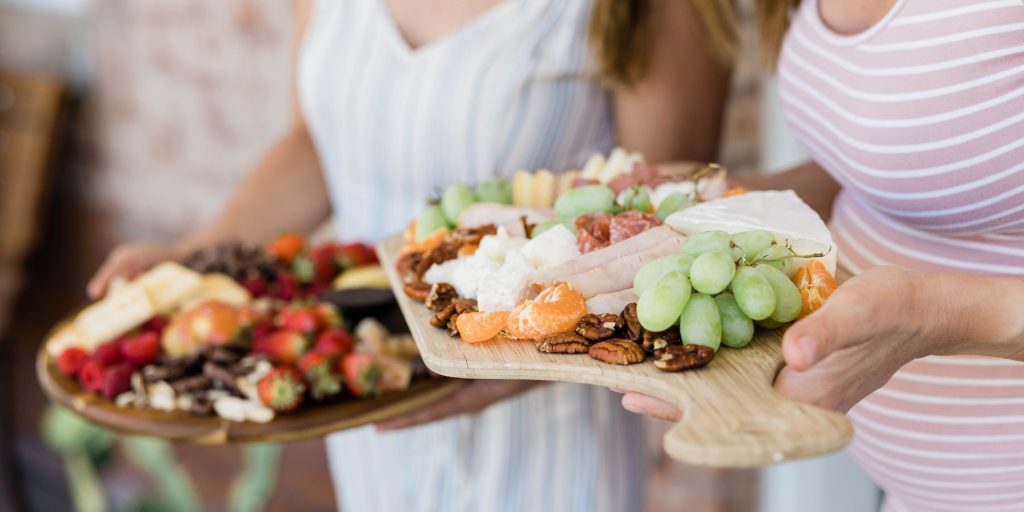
512 89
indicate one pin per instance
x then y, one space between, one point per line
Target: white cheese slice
779 211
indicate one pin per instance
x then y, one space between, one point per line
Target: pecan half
417 291
598 327
453 329
440 296
466 236
676 358
631 323
563 343
654 341
440 320
464 305
406 266
617 351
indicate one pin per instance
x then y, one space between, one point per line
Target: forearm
284 191
808 180
972 315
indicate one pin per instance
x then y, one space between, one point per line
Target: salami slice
593 231
628 224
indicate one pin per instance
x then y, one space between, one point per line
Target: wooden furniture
731 415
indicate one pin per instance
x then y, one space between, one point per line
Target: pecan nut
654 341
440 296
598 327
677 358
417 290
617 351
440 320
631 328
453 329
464 305
563 343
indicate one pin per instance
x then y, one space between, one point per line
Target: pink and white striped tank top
921 119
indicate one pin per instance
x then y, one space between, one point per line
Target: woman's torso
921 119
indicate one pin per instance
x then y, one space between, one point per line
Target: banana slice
114 315
369 276
220 288
543 189
168 285
522 188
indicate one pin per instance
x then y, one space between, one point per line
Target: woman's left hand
473 397
874 324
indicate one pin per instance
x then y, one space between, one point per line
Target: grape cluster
718 286
455 198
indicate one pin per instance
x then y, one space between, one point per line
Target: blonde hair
616 32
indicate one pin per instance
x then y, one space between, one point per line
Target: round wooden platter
308 423
731 415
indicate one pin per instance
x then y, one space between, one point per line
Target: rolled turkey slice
779 211
612 268
482 214
612 302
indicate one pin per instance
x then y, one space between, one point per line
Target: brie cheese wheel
780 211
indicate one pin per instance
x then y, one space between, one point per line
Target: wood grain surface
731 415
308 423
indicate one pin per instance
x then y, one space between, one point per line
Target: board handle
714 432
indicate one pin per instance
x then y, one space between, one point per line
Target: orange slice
816 284
478 326
424 245
556 309
735 191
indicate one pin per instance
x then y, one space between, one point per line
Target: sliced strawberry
142 349
284 346
327 314
90 376
281 389
303 320
71 361
333 342
362 374
116 380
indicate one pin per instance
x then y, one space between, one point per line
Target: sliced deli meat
612 302
508 216
779 211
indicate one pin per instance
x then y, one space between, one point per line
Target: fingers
98 284
643 404
836 325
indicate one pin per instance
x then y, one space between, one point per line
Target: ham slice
612 268
613 302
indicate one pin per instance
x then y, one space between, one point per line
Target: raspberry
155 324
116 380
287 286
108 353
142 349
90 375
257 286
71 361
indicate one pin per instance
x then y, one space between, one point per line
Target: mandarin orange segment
816 284
426 244
556 309
735 191
467 250
478 326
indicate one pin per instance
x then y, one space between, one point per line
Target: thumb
815 337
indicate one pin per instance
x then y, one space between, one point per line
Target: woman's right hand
128 261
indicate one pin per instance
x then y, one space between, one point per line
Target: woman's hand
128 261
879 321
473 397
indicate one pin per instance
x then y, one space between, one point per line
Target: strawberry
108 353
71 361
257 286
155 324
356 255
323 381
325 262
90 375
116 380
141 349
287 286
281 389
362 374
303 320
284 346
327 314
286 246
333 343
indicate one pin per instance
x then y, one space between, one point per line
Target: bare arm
808 180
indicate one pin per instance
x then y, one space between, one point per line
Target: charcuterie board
731 415
308 423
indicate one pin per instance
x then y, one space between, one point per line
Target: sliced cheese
594 167
616 165
779 211
522 188
565 181
543 189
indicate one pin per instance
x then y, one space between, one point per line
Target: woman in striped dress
915 109
396 99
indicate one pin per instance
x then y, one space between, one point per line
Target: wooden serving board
312 422
731 415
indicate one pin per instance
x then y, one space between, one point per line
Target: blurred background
132 120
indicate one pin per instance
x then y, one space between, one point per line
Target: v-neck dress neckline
404 48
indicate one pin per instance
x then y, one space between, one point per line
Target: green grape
768 323
544 226
737 253
753 293
778 256
737 329
672 203
583 200
700 322
636 198
700 243
787 296
660 305
456 197
653 271
429 221
712 272
495 190
753 242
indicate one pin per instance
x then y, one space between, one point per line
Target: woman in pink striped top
915 108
